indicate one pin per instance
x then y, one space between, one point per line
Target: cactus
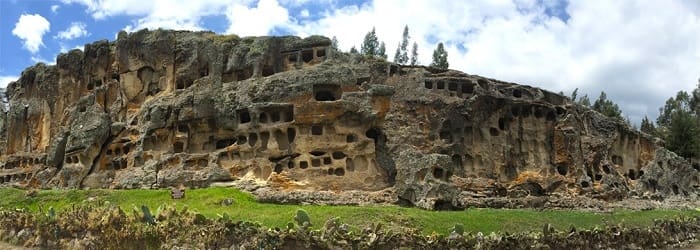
302 218
147 216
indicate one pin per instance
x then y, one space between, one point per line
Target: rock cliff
160 108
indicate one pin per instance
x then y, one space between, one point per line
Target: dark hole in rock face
467 88
316 130
327 92
674 188
290 164
525 112
373 133
320 52
539 113
493 131
82 109
446 136
330 171
126 149
268 71
443 205
351 138
457 161
178 147
551 116
291 134
440 85
640 173
339 171
562 169
90 86
303 164
561 111
244 116
452 86
183 129
653 185
338 155
606 169
483 83
224 143
517 93
632 174
292 58
278 168
263 118
317 153
502 123
696 166
307 55
598 177
438 172
585 184
428 84
252 139
327 161
242 139
316 162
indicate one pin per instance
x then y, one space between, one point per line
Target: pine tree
401 56
683 134
353 50
381 52
585 101
440 57
334 44
414 54
607 107
647 126
574 95
370 46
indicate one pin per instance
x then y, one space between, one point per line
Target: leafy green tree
440 57
607 107
679 126
414 54
370 46
683 133
401 56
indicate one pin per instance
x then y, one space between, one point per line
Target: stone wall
160 108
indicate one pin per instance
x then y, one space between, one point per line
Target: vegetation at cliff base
215 202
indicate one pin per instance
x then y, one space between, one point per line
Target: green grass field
208 202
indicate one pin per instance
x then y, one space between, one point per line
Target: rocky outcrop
164 108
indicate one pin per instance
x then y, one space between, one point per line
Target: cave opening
307 55
326 92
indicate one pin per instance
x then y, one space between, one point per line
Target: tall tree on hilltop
370 46
353 50
414 54
381 52
440 57
401 56
607 107
678 125
334 44
647 126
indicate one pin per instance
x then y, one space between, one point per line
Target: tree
647 126
353 50
607 107
574 94
334 44
401 56
440 57
381 52
585 101
414 54
370 46
679 126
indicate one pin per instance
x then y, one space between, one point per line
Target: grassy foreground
208 201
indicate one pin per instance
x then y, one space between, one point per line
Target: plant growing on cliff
607 107
440 57
371 46
414 54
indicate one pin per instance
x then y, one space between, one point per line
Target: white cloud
54 8
75 30
259 20
31 29
5 80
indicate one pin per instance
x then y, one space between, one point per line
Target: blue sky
640 52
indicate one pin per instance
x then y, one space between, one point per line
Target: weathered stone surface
292 120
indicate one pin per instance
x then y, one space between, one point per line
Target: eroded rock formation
163 108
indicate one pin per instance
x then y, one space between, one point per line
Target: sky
640 52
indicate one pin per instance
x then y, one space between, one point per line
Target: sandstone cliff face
163 108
